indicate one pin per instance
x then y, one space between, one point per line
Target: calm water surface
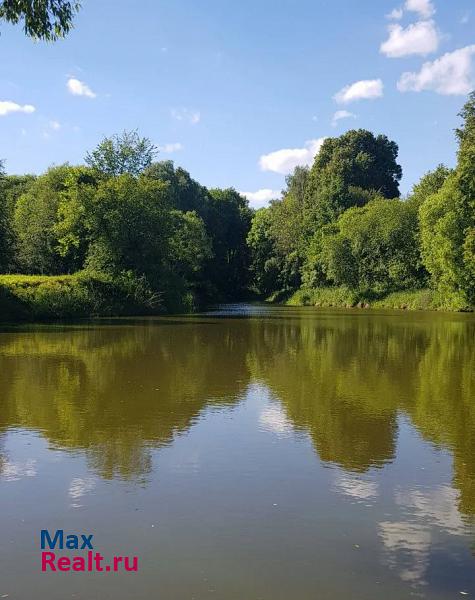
247 453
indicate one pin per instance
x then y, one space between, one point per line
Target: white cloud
395 14
261 197
6 107
79 88
418 38
55 125
186 114
451 74
424 8
366 89
284 161
342 114
174 147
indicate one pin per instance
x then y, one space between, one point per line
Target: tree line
125 213
340 225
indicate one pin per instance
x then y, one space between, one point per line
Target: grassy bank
38 297
424 299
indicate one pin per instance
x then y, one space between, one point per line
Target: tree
374 248
264 266
448 222
35 218
190 246
42 19
348 171
442 238
429 184
228 222
128 226
4 225
11 188
184 193
124 153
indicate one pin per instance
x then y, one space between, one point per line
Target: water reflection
349 385
118 391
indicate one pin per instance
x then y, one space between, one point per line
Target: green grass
42 297
341 297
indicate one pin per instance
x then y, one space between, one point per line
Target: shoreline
413 300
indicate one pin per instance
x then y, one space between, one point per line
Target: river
250 452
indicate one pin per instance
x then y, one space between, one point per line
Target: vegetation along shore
127 234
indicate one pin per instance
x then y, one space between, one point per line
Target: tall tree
228 223
347 170
35 218
42 19
122 153
448 221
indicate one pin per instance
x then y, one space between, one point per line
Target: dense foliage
340 235
125 216
42 19
342 225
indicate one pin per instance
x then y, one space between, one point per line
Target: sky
239 93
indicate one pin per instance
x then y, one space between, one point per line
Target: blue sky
240 92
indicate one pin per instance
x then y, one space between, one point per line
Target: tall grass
84 294
424 299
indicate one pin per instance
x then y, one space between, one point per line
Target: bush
41 297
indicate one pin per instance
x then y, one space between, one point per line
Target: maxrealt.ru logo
86 560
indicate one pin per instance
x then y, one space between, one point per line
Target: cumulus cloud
284 161
424 8
174 147
451 74
342 114
395 14
186 114
261 198
55 125
366 89
7 107
79 88
418 38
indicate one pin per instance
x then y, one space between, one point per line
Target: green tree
35 219
448 222
429 184
264 265
128 225
184 193
190 245
122 153
374 248
346 169
42 19
228 222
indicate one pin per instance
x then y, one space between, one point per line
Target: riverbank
83 294
340 297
